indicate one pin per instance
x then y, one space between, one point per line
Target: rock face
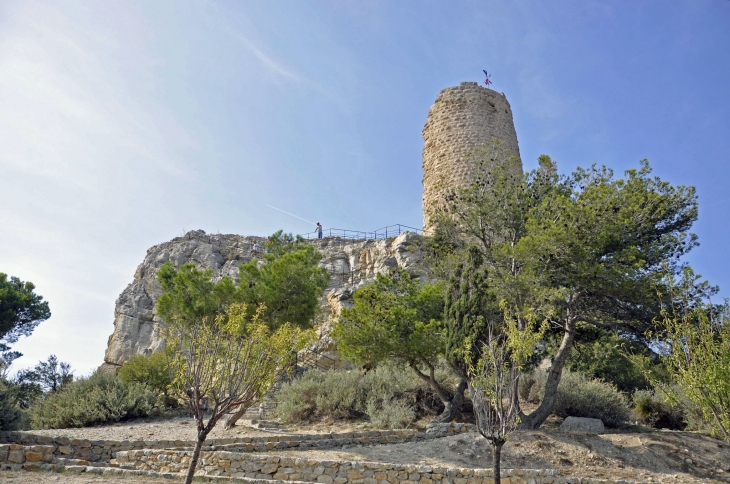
462 119
351 263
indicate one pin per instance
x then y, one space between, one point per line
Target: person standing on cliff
319 230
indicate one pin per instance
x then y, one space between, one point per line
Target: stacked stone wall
462 119
104 450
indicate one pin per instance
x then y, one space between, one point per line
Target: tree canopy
216 351
287 284
21 310
586 248
397 319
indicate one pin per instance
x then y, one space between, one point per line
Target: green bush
98 399
580 396
389 397
150 370
605 358
11 417
653 410
390 414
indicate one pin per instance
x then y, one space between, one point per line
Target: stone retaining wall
258 469
13 456
104 450
241 465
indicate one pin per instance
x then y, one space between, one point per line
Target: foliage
392 319
654 410
218 354
47 376
389 396
586 248
580 396
150 370
99 399
695 342
288 284
396 320
493 381
11 417
21 310
469 307
603 355
390 414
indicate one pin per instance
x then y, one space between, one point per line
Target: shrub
390 397
653 410
390 414
580 396
11 417
605 359
150 370
98 399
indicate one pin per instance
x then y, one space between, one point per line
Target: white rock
580 424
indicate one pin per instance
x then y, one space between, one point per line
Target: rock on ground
581 424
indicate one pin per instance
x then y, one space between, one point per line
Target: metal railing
382 233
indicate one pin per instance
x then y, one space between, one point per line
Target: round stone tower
463 118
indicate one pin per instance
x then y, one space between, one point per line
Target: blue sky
125 123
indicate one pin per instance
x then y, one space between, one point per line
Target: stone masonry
462 119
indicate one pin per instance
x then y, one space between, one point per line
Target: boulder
580 424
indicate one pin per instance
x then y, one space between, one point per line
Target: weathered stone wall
237 465
104 450
463 118
351 262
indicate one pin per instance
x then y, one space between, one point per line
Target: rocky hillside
351 263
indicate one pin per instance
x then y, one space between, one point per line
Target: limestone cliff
351 263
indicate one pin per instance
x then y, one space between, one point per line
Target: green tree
582 249
150 370
222 355
21 310
11 416
695 343
47 376
396 319
604 355
288 283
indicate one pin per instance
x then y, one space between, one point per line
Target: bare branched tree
493 380
225 364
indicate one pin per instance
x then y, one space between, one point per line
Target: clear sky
125 123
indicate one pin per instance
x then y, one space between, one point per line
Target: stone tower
463 118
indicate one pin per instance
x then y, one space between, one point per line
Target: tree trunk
231 422
194 459
497 460
541 413
451 408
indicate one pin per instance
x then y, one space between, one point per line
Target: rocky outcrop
351 263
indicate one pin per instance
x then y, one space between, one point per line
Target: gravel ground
25 477
178 428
